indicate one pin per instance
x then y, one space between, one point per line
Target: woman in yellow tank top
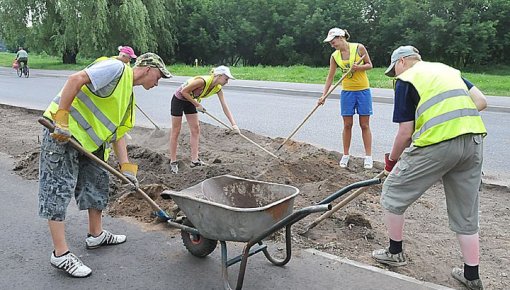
355 96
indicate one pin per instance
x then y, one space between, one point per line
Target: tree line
260 32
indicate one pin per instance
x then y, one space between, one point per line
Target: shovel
159 212
318 105
240 134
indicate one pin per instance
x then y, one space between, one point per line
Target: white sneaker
368 163
344 161
174 167
71 264
104 239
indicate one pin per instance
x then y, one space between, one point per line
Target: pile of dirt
352 232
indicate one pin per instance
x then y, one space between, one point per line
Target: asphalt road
274 110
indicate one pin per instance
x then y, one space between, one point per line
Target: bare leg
347 134
194 128
95 222
366 134
394 225
174 136
470 248
57 230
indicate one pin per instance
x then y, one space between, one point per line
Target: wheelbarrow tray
230 208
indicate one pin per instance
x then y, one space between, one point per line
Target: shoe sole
391 263
69 274
102 245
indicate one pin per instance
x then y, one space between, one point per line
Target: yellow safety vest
96 121
205 92
445 109
355 81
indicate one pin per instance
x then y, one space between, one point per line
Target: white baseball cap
223 70
334 32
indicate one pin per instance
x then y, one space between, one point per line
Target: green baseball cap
153 60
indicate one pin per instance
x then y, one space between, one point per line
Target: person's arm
478 98
225 108
120 150
367 63
329 80
476 95
190 87
129 170
71 89
402 139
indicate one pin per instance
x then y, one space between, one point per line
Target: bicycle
23 70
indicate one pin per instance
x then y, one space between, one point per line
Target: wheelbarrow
229 208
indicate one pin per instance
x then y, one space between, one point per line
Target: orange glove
129 170
61 132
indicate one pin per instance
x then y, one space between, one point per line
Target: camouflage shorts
64 172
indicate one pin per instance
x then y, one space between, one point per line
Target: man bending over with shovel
438 115
96 108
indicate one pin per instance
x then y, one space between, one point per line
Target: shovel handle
318 105
160 212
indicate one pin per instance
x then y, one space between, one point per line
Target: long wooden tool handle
77 146
341 204
318 105
157 127
240 134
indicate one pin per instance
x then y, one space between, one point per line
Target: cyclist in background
22 57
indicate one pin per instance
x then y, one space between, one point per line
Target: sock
395 247
61 255
471 272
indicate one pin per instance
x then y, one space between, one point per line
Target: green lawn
492 81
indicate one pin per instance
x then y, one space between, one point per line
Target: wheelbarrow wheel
197 245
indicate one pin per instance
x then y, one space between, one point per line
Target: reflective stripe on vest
445 109
96 121
84 124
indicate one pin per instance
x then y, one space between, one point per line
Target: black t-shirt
407 99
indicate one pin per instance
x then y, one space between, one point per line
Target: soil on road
352 232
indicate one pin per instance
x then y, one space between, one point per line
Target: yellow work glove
61 132
129 170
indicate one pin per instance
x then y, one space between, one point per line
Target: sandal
344 161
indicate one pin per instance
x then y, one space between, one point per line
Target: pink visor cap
127 50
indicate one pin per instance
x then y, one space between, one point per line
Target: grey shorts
64 172
458 162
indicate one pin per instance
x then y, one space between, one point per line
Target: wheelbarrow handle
350 187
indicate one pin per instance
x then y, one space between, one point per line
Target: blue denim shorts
356 102
64 172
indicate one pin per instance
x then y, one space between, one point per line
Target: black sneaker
197 163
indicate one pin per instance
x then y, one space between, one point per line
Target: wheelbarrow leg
242 269
224 266
288 250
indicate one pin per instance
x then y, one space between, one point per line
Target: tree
91 28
